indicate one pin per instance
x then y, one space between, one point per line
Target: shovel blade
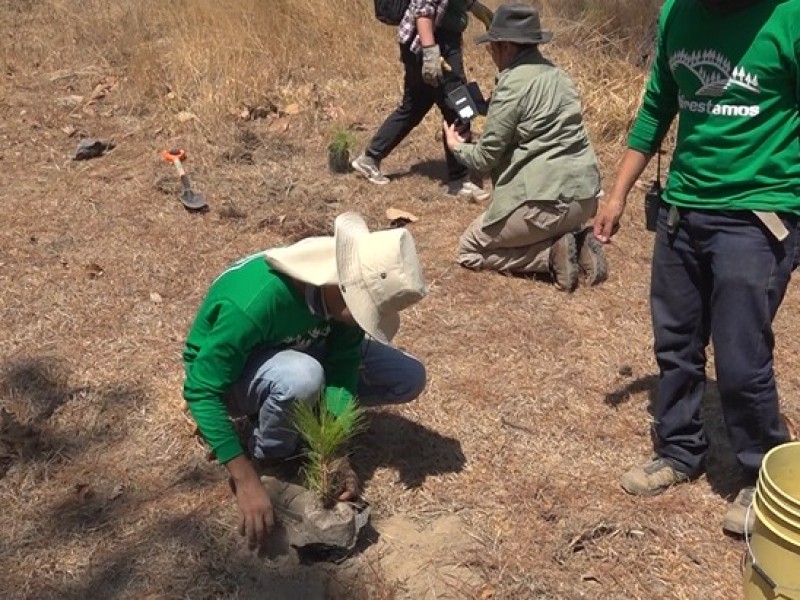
193 201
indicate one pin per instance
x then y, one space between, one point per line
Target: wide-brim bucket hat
518 23
378 272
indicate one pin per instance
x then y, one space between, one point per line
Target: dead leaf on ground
185 116
333 112
399 217
156 298
279 125
116 492
272 220
93 270
291 109
98 93
255 113
582 540
72 100
84 492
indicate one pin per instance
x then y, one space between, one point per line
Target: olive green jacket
534 143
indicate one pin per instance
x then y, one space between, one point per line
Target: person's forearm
425 31
630 169
241 469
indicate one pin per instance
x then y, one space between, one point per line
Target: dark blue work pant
722 275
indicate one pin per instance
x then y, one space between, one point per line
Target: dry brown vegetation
537 401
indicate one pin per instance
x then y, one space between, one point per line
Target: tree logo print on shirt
307 339
714 72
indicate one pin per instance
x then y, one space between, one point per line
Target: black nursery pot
339 162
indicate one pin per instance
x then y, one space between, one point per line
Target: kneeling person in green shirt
289 324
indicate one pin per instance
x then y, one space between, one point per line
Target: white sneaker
464 188
370 169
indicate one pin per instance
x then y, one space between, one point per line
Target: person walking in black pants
430 31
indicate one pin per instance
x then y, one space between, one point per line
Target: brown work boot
740 517
591 257
564 262
652 479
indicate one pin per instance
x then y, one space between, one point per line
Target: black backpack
391 12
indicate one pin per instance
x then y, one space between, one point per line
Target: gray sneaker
739 517
464 188
652 479
370 169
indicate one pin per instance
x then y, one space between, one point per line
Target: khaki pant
520 243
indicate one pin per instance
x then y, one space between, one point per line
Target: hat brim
544 37
311 260
349 229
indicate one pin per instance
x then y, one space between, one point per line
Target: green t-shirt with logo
734 82
250 305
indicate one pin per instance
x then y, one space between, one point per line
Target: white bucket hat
378 272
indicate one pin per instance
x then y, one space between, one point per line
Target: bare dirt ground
501 481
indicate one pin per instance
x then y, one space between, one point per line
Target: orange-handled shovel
189 199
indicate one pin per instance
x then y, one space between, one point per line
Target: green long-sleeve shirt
534 143
251 305
734 81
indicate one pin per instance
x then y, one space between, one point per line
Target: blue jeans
720 275
274 379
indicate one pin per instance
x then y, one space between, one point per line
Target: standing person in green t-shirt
726 234
288 324
430 31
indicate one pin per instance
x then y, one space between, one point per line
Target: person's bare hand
255 509
348 488
606 221
451 136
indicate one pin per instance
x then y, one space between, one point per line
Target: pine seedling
339 147
326 435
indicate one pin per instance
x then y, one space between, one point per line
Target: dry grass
536 402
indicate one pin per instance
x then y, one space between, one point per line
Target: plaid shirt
407 30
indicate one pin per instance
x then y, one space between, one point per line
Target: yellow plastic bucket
772 566
783 476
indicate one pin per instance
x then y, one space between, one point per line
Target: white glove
431 65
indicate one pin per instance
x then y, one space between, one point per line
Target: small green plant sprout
342 142
326 436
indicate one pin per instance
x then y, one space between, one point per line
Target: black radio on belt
652 200
653 197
